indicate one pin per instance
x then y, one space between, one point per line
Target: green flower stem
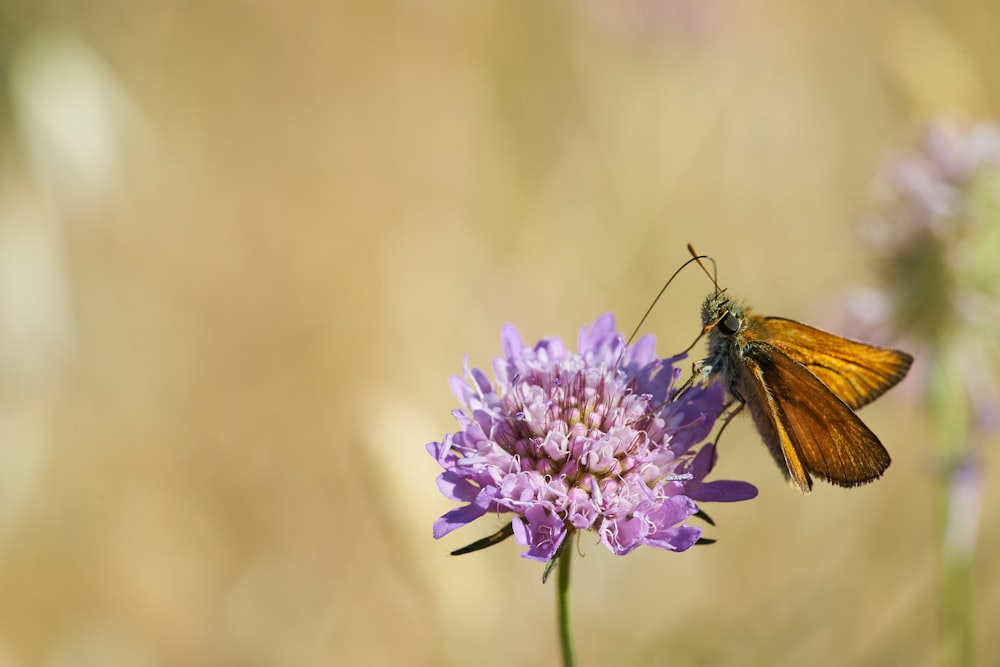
949 419
955 604
562 603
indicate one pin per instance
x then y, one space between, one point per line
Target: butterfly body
802 386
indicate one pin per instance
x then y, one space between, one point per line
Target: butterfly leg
684 387
732 413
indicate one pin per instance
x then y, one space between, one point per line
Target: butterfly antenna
714 275
694 258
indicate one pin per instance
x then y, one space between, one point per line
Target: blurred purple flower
937 246
936 241
658 20
928 189
595 440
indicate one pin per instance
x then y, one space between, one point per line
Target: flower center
575 426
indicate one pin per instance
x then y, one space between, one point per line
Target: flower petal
455 487
542 530
457 518
511 340
722 491
676 538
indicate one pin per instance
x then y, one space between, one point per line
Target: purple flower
936 242
931 192
594 440
657 21
935 237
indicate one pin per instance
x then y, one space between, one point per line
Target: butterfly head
721 315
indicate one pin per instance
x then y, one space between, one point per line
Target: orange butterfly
802 386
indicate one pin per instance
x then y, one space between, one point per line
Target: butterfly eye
729 324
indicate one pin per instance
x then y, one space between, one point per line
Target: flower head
936 239
594 440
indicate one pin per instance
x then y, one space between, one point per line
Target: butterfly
802 386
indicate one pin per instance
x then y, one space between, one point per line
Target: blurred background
243 246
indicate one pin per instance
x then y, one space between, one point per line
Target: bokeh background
243 245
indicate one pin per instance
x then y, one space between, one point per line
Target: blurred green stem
949 418
955 605
562 602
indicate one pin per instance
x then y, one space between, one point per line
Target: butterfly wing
856 372
806 426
